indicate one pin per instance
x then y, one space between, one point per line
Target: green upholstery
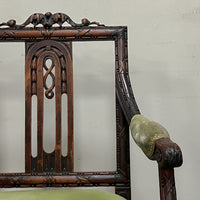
59 195
145 131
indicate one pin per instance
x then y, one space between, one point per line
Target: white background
164 60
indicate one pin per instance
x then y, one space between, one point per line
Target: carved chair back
37 55
55 44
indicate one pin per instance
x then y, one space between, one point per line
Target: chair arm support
155 142
152 138
167 153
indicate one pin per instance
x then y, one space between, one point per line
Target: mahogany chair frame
54 170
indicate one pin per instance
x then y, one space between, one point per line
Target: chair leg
124 192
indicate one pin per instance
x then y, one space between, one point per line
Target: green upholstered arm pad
145 131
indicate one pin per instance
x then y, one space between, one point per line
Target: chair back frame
55 43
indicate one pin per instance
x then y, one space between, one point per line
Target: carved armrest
154 140
157 143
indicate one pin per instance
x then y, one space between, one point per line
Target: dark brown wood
58 115
40 113
48 20
123 151
167 184
82 33
28 115
37 53
55 43
123 86
62 179
168 155
70 108
124 192
126 107
49 162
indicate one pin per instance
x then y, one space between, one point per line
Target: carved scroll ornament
47 20
49 90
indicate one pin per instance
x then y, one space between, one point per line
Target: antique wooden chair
52 169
